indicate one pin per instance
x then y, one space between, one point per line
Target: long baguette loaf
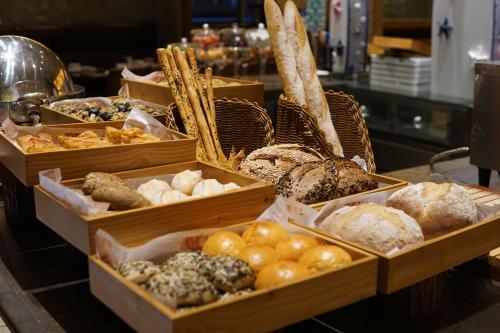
283 53
306 67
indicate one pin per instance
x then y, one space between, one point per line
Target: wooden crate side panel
65 222
50 116
136 228
441 254
13 158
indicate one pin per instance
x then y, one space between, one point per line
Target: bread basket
240 123
294 124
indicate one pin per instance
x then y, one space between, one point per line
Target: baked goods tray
259 311
76 163
160 94
141 224
431 257
51 116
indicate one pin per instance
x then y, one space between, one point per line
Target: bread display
280 272
224 242
438 208
44 142
97 112
265 233
295 246
297 67
323 257
258 256
271 163
325 180
375 226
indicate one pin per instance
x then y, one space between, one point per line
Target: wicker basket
240 123
295 125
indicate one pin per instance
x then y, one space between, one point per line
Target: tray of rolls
142 202
97 109
417 231
78 148
249 277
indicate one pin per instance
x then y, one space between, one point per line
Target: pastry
95 179
438 208
172 196
41 144
185 181
224 242
86 139
183 287
375 226
295 246
119 197
306 68
153 190
271 163
208 187
280 272
325 180
323 257
189 260
229 273
265 233
128 136
258 256
138 271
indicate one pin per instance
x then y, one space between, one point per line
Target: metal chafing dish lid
29 68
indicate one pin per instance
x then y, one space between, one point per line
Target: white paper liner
85 205
153 77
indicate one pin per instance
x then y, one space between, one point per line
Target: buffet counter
44 287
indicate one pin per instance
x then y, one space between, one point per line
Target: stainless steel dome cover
27 67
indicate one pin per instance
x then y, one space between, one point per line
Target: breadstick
190 85
203 94
175 84
210 91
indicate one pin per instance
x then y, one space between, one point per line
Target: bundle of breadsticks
296 65
196 104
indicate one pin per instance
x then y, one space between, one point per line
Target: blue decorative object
444 28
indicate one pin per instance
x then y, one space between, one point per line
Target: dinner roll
258 256
295 246
438 208
280 272
265 233
375 226
185 181
324 257
223 242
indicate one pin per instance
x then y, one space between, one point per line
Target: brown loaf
306 67
438 208
283 53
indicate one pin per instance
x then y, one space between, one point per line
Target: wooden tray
249 90
76 163
138 225
260 311
385 184
436 255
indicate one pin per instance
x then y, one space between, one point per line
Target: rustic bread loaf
324 180
375 226
283 53
438 208
270 163
306 67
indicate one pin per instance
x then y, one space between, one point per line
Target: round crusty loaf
270 163
375 226
325 180
438 208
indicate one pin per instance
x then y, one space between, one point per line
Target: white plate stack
409 74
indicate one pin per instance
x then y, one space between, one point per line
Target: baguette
306 67
283 53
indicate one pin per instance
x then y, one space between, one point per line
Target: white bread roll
306 66
208 187
283 53
153 190
438 208
185 181
375 226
